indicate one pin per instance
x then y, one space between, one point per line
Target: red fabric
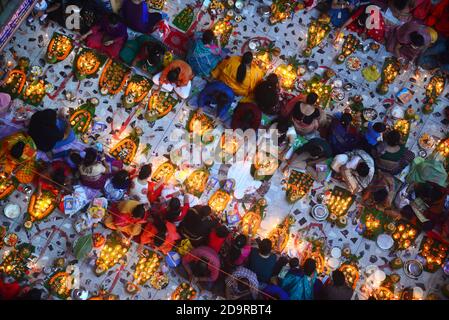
439 18
375 34
240 111
215 242
422 10
154 195
9 291
123 219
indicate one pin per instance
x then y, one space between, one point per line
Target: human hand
108 43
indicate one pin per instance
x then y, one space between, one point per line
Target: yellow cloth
433 34
226 71
127 206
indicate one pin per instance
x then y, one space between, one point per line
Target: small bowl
11 210
312 66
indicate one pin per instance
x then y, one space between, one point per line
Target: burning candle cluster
434 252
404 236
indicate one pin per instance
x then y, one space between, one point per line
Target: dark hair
221 99
245 120
345 119
120 180
145 172
247 58
362 169
204 211
361 19
272 79
312 98
293 263
173 209
173 74
338 277
139 211
400 4
91 157
428 191
58 176
75 157
221 231
416 39
266 96
200 268
380 195
243 284
114 18
265 246
155 53
17 149
393 138
379 127
208 37
314 149
161 228
240 241
32 294
309 267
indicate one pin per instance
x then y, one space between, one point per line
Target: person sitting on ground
356 168
315 151
239 73
160 234
391 155
139 185
203 53
372 136
427 170
176 76
340 11
135 15
116 187
237 252
439 18
262 261
93 171
144 53
435 58
56 178
343 136
18 156
173 210
127 216
267 95
381 192
338 290
197 225
246 116
217 237
242 284
219 97
303 284
108 36
202 265
72 157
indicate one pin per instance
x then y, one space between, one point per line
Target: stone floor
54 236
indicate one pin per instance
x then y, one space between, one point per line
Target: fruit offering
199 123
433 91
14 263
81 118
87 63
250 222
223 30
184 292
112 253
7 186
339 201
351 274
280 235
98 240
164 172
404 236
146 266
184 19
443 148
434 252
59 284
34 92
159 280
219 201
159 105
126 149
318 30
156 4
59 48
298 185
403 126
136 90
350 44
390 71
113 77
41 207
196 183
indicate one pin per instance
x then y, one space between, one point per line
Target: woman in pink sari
108 36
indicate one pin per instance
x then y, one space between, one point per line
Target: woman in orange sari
127 217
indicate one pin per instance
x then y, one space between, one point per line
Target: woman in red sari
439 18
57 179
368 22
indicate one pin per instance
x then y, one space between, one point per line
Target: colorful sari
226 71
377 34
202 58
299 287
25 174
118 33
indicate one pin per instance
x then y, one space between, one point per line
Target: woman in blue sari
136 16
343 136
303 284
203 54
